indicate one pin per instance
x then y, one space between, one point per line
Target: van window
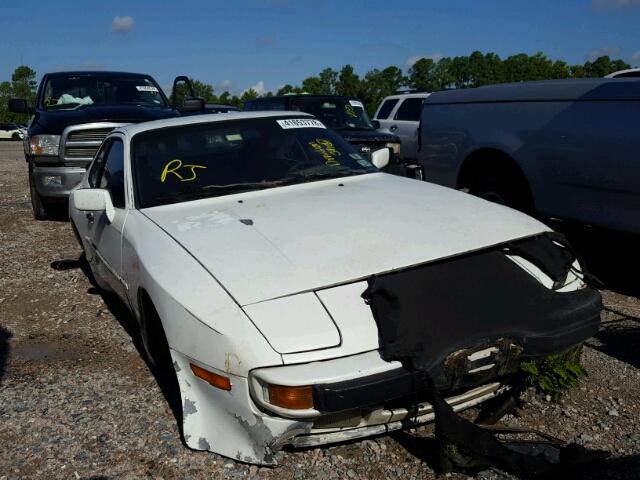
410 109
386 108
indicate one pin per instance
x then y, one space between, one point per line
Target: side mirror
376 124
18 105
194 104
94 200
380 158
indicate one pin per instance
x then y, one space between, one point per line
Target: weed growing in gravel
555 374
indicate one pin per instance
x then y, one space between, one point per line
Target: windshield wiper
207 191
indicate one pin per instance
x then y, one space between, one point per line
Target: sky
264 44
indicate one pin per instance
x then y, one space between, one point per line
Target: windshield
70 93
339 114
220 158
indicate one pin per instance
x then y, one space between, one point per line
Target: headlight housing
44 144
394 146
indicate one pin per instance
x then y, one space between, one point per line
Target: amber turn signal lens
294 398
218 381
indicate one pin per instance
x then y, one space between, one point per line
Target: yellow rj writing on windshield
175 166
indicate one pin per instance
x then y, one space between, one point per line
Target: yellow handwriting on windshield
177 168
327 150
349 110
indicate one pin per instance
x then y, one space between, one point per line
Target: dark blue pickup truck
74 112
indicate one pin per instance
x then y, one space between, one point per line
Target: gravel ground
77 400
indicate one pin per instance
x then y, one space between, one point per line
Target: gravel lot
77 400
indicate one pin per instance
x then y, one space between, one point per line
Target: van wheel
503 189
153 337
37 204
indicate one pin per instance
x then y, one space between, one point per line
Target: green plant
554 374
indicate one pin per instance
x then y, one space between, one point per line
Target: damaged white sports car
298 290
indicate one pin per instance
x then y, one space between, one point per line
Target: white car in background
243 244
11 131
400 115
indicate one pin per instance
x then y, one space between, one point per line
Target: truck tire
37 204
501 188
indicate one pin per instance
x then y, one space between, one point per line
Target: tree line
425 74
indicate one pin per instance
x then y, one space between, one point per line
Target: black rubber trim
364 391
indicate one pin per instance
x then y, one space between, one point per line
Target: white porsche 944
295 289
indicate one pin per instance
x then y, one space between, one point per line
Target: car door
405 125
102 236
383 115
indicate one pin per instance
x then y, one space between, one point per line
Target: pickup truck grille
80 143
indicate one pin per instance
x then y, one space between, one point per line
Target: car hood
273 243
55 122
364 136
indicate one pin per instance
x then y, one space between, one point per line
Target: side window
386 108
113 173
98 165
410 109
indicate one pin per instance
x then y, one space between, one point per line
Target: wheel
153 337
15 137
37 204
505 189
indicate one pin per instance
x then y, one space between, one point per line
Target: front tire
38 205
153 336
501 188
15 137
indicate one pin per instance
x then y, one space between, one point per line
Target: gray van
564 148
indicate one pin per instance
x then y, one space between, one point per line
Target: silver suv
400 114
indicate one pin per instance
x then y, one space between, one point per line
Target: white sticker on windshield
300 123
146 88
356 103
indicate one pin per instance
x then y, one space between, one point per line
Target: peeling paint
232 362
176 367
189 407
203 444
246 221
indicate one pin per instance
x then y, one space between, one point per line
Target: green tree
5 94
328 78
348 82
285 89
313 85
421 75
378 84
604 66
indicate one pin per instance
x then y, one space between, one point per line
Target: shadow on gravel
610 256
619 341
5 350
623 468
167 380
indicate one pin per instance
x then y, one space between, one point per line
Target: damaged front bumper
241 424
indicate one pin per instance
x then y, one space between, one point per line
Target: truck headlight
44 144
394 146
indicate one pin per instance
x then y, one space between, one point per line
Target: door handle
90 217
393 128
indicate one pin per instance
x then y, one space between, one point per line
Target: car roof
545 90
408 95
136 128
94 73
304 95
622 72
